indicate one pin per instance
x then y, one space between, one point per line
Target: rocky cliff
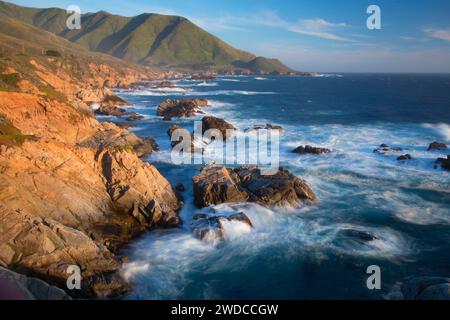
72 189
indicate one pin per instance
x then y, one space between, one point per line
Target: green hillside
151 39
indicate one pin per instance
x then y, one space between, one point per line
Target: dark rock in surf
310 150
437 146
215 184
180 187
404 157
384 148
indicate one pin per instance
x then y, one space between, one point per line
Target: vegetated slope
152 39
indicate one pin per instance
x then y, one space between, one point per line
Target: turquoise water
304 253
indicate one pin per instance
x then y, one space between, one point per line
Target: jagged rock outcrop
310 150
215 185
404 157
14 286
426 288
96 200
210 122
180 108
437 146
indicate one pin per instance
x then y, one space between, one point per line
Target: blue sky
320 35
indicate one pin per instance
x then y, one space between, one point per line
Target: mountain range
163 41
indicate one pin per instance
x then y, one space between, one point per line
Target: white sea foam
207 84
130 270
442 128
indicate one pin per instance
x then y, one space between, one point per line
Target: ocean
305 253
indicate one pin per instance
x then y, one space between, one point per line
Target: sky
307 35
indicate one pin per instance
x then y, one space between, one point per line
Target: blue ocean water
304 253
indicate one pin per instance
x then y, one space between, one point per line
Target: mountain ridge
164 41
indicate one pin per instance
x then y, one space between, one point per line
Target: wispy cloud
442 34
316 27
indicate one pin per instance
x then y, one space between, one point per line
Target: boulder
210 122
180 108
215 185
210 226
404 157
437 146
445 163
310 150
426 288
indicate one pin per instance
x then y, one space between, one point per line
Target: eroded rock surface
215 185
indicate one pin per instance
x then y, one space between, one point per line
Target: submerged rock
361 236
445 163
215 185
180 187
180 108
267 127
404 157
437 146
311 150
210 226
220 124
426 288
